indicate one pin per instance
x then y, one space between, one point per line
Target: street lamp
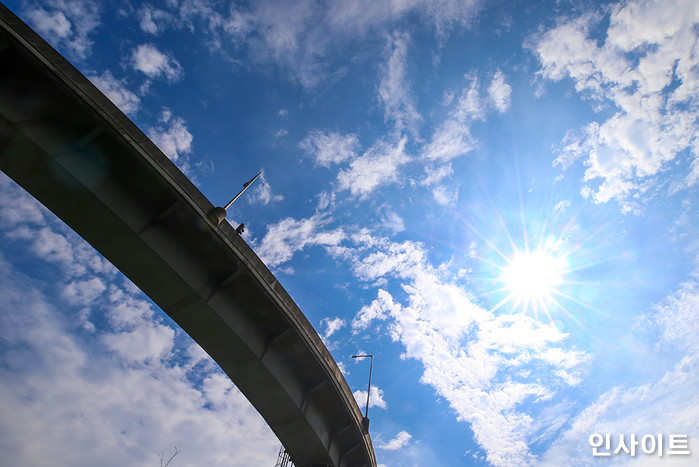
365 421
217 215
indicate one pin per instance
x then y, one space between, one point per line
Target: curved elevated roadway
65 143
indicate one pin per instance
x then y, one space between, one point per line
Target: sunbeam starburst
531 278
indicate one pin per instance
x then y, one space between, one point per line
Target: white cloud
328 148
300 35
643 70
17 207
400 441
445 196
375 399
489 367
678 319
561 207
325 200
66 23
380 309
83 292
376 167
499 92
290 35
51 246
55 244
171 136
125 312
452 138
25 219
116 91
289 235
125 387
54 25
154 63
109 413
665 405
141 344
668 405
147 23
332 326
398 259
279 134
154 20
360 15
392 222
470 106
436 174
394 90
494 370
261 192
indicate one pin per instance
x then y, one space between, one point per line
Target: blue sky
496 199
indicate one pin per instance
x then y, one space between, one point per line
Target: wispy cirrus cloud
442 16
452 138
394 88
499 92
300 35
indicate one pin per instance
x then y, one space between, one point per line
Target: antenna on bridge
217 214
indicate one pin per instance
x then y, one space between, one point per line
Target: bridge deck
65 143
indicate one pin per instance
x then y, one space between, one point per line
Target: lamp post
365 421
217 215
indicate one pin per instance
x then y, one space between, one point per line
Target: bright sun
530 278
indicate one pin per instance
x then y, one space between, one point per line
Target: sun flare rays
530 279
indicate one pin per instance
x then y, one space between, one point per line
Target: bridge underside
65 143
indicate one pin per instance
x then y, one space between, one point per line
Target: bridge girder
66 144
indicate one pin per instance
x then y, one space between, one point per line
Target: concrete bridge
65 143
